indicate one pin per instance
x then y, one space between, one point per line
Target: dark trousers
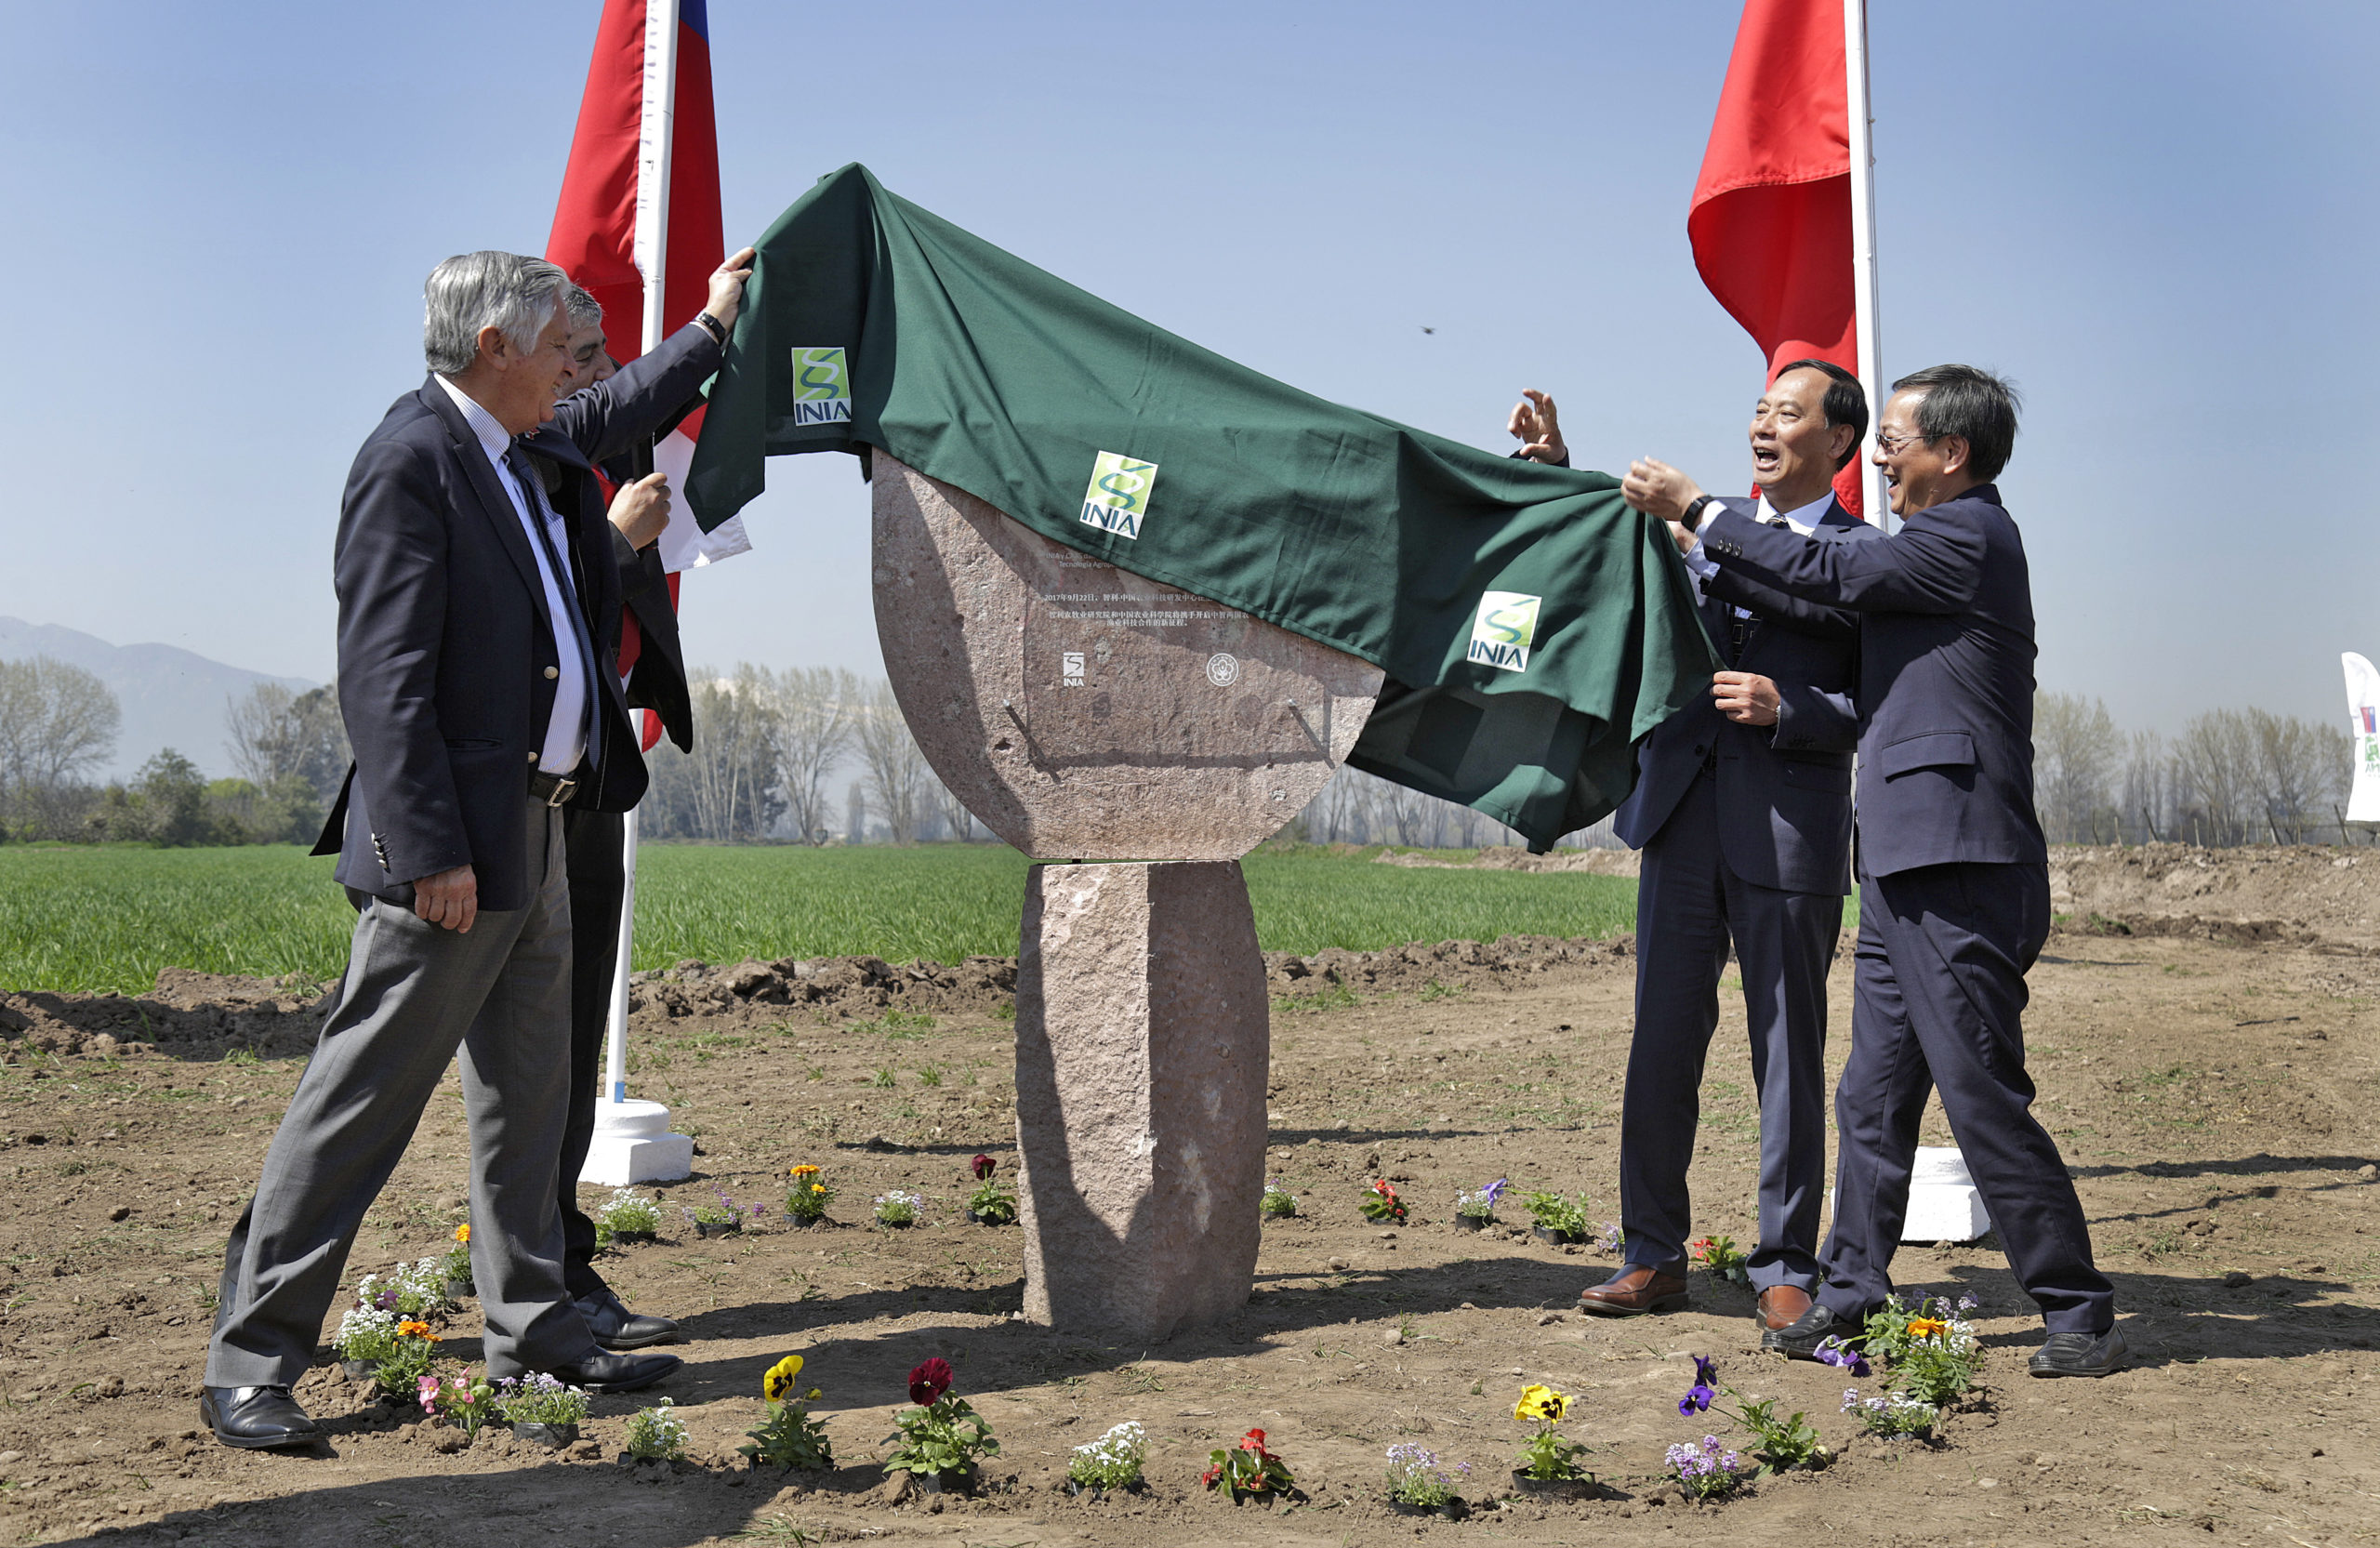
1940 999
1688 906
597 881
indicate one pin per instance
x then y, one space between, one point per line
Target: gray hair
505 291
584 311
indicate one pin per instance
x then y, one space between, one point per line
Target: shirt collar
493 437
1803 521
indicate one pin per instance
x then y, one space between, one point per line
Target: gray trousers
414 995
1688 906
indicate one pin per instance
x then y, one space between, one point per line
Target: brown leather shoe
1635 1290
1779 1307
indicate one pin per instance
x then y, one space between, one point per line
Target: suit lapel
494 504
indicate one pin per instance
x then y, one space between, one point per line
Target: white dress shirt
1804 520
565 743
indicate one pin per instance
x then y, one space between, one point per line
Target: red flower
1254 1441
982 1167
928 1381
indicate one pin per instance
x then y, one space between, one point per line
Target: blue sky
2159 218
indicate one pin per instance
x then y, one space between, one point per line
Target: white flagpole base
633 1143
1943 1203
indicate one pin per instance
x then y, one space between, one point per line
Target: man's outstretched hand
727 286
1658 489
1535 425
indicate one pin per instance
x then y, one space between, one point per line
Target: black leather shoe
2080 1355
600 1373
256 1419
1800 1340
615 1327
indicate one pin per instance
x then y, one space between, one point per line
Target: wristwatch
1691 517
713 326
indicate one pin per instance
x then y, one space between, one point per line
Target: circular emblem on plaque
1222 669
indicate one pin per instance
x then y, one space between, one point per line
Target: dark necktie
533 490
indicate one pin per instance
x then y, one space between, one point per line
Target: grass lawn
89 919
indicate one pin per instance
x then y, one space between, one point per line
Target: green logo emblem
1119 496
1505 629
822 386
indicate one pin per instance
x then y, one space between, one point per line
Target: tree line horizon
822 755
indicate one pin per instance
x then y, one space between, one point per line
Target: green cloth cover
1532 628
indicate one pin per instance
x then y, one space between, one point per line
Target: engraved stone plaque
1082 713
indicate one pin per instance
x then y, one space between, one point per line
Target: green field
91 918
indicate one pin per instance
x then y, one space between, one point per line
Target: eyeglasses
1895 446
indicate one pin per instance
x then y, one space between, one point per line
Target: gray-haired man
469 680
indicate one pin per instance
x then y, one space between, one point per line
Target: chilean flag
595 234
1771 218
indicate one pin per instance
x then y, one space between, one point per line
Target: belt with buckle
553 789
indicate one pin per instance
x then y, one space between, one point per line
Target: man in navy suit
1743 808
1954 890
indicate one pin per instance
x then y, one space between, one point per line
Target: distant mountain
171 697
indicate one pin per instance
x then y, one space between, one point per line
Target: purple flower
1706 1372
1968 1302
1834 1351
1493 1190
1696 1400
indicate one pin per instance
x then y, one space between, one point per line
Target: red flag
1771 219
594 240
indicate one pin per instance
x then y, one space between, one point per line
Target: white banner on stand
2363 718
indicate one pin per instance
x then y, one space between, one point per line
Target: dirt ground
2203 1031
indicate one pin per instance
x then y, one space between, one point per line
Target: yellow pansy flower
1542 1403
779 1381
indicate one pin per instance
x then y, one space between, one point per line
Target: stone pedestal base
1143 1045
1943 1203
632 1144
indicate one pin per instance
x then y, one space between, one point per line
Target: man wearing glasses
1954 876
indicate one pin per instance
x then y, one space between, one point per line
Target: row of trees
770 748
2233 776
59 723
819 755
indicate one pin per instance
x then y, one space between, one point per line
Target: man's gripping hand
1658 489
727 286
641 509
1537 427
450 898
1746 698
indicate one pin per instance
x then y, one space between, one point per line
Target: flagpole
655 121
1863 250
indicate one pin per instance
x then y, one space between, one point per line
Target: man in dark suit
607 413
1954 893
477 710
1742 809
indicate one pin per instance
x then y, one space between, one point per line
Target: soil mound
1506 857
189 1015
2299 893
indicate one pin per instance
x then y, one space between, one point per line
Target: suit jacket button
553 672
533 755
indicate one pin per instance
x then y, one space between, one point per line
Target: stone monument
1136 740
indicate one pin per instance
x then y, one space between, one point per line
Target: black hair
1971 404
1845 402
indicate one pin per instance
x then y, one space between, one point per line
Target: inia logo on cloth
1119 496
1503 631
822 386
